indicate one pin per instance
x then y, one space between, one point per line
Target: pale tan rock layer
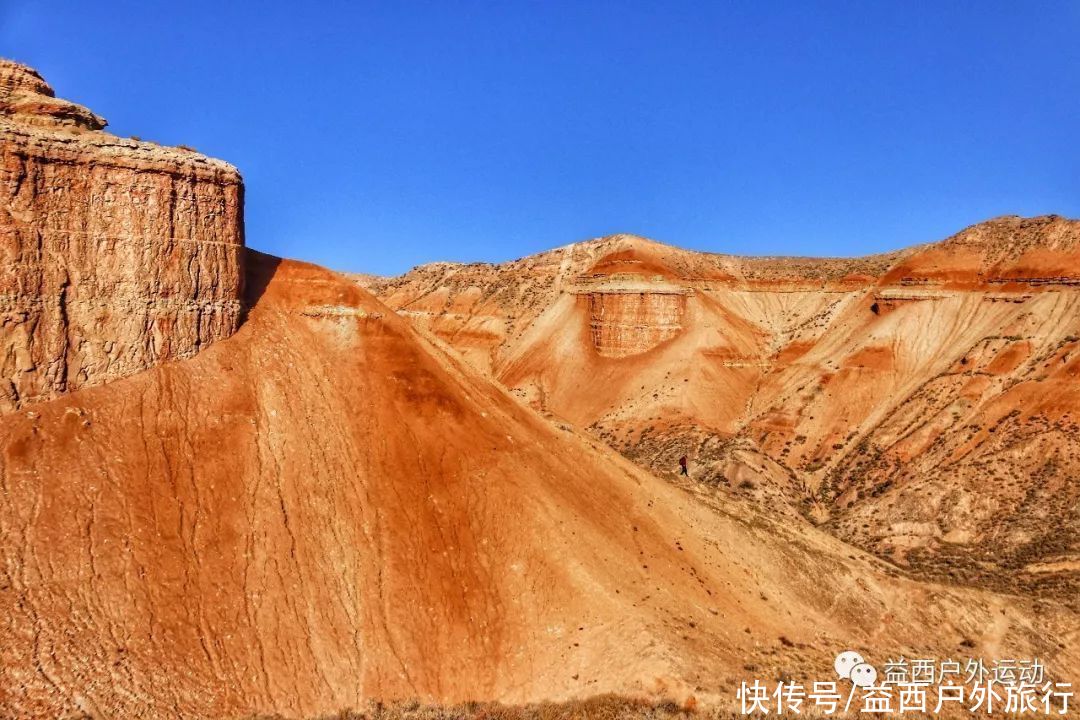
116 254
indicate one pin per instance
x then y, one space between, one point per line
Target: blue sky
375 136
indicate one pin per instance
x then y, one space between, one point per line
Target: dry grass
601 707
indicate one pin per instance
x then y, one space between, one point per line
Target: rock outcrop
116 254
26 98
632 304
631 321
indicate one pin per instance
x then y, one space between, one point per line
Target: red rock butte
117 254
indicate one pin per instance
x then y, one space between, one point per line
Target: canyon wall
116 254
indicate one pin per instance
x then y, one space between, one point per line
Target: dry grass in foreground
601 707
604 707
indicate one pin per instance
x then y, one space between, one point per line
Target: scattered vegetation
602 707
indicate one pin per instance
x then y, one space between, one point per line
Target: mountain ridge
973 230
771 377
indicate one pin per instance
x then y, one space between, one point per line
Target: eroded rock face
116 254
25 97
631 322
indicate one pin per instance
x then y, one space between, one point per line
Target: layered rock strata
116 254
630 322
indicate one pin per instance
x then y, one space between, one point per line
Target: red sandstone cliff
116 254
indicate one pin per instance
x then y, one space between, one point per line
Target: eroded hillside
324 509
922 405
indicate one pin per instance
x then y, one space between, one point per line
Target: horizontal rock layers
628 323
116 254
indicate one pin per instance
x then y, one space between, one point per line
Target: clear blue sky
375 136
